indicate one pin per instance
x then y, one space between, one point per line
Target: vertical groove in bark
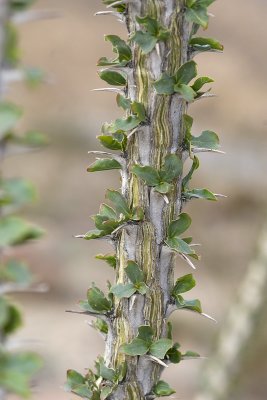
144 242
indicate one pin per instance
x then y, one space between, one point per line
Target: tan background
71 116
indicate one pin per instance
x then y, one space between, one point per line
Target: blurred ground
71 115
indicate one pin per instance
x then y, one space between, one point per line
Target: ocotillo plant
155 78
16 367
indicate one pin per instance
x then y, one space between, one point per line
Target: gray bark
144 242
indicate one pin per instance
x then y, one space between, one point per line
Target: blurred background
71 115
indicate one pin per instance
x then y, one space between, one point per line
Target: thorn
166 199
157 360
194 358
112 89
158 49
189 262
198 150
112 13
220 195
79 236
133 132
117 3
209 317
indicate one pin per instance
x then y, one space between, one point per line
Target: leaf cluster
161 180
137 284
122 51
110 218
179 83
153 33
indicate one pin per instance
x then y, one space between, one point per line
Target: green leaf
184 284
145 40
112 142
137 347
197 15
113 77
100 325
120 48
205 44
123 124
32 139
109 258
15 231
163 389
179 226
194 167
9 116
134 273
139 110
179 245
122 291
145 332
150 24
186 73
98 301
201 194
74 378
174 355
123 102
193 305
142 288
15 271
94 234
103 165
148 174
200 82
207 140
165 84
185 91
119 202
160 347
164 188
119 7
106 373
16 192
17 371
190 354
171 169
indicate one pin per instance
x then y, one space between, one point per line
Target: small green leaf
184 284
185 91
103 165
179 245
171 169
98 301
119 202
207 140
123 102
122 291
15 231
201 194
109 258
113 77
74 378
112 142
94 234
139 110
193 305
150 24
134 273
186 73
9 116
148 174
145 332
160 347
163 389
174 355
164 188
179 226
137 347
205 44
194 167
142 288
100 326
200 82
145 40
120 48
107 373
197 15
165 84
190 354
